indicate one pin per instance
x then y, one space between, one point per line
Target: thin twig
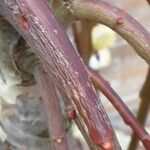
118 20
148 1
143 109
82 33
120 106
53 113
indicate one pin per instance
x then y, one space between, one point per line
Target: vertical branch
82 33
143 109
119 21
52 109
148 1
123 110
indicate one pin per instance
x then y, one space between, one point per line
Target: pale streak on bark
62 61
143 109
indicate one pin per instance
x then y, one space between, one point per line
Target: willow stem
120 106
143 109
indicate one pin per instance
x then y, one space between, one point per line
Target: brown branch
143 109
36 23
148 1
52 109
109 15
120 106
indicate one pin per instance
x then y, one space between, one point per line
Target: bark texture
36 23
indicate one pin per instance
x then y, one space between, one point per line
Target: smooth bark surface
54 117
143 109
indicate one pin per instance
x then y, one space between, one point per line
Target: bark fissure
59 59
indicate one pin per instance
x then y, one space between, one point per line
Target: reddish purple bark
52 109
148 1
118 20
62 61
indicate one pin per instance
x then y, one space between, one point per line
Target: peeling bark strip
109 15
64 64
